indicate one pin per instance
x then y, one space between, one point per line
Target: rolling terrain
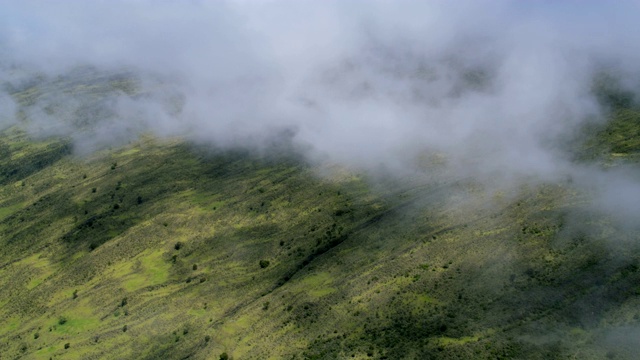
158 248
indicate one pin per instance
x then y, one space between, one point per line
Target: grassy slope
352 273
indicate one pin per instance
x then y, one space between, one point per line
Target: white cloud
491 85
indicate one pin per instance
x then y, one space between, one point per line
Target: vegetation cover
319 180
162 248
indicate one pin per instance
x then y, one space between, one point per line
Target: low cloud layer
428 91
493 88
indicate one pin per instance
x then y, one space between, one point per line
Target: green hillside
162 249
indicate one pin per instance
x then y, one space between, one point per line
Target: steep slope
164 249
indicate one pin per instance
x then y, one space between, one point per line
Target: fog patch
493 90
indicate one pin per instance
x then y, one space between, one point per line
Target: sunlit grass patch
128 152
237 325
317 285
153 270
79 321
42 268
9 210
448 341
46 352
426 299
10 324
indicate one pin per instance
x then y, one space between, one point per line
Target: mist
416 94
493 90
